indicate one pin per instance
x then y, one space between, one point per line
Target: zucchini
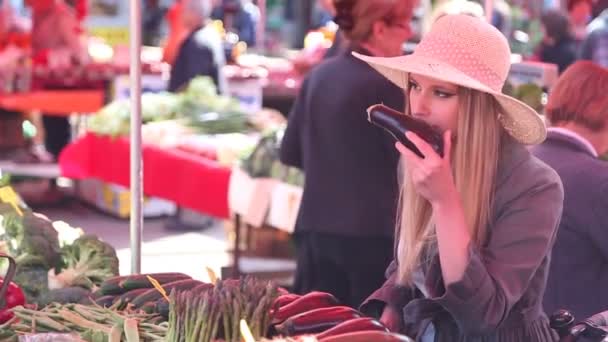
149 307
111 286
122 284
141 281
126 298
152 295
106 301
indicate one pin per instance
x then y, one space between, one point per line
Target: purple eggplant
397 124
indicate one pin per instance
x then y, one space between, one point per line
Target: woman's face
395 31
433 101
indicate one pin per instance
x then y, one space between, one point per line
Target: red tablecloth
189 180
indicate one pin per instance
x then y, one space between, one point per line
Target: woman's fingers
427 151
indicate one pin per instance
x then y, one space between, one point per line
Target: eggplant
397 124
353 325
367 336
317 320
310 301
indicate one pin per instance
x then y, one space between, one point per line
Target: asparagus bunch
217 313
193 317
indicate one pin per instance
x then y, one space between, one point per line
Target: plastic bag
50 338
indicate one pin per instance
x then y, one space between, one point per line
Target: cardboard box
115 199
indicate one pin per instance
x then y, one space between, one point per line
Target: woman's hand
391 319
432 178
432 175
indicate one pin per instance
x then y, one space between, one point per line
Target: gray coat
500 295
579 271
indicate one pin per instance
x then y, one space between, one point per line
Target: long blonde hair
474 163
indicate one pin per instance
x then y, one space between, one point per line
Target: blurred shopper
558 45
339 44
240 16
345 226
309 58
56 42
580 12
177 32
201 53
578 115
152 22
502 17
595 46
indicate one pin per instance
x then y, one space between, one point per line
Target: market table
189 180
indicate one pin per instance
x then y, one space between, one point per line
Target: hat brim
519 120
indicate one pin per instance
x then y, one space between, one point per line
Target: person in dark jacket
578 113
558 45
201 53
345 225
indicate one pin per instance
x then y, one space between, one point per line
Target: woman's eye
413 85
443 94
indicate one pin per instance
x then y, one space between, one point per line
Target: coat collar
573 143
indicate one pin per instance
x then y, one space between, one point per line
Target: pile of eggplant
319 314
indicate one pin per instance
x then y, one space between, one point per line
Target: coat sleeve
390 294
291 145
599 235
498 275
586 50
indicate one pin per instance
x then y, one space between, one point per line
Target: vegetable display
45 270
199 107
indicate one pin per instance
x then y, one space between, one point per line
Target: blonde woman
476 226
345 226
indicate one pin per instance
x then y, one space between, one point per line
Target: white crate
249 197
284 206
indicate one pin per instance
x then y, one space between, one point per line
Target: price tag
8 195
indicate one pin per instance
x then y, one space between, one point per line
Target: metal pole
136 223
489 9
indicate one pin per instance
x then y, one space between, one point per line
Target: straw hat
471 53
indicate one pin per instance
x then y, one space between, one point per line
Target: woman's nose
420 107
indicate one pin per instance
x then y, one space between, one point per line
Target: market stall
63 284
191 181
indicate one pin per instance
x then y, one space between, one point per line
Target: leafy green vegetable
264 161
87 263
33 242
30 239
